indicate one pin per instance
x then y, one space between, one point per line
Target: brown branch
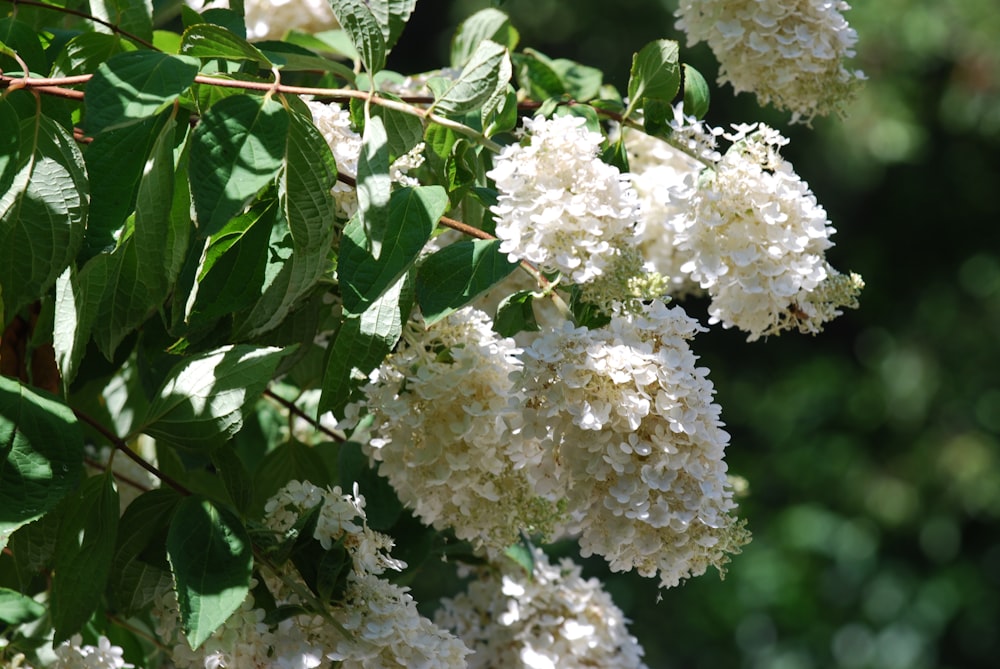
120 444
294 409
111 26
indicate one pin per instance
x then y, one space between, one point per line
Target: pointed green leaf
205 396
133 85
212 560
236 150
403 131
206 40
77 303
537 78
300 252
85 52
43 211
392 16
486 24
457 274
357 20
132 16
84 549
413 214
139 568
16 608
374 184
362 343
655 74
487 72
516 314
42 448
696 93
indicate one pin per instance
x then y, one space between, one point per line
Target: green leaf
487 73
457 274
43 210
582 83
537 77
139 568
655 74
84 549
85 52
235 477
291 57
16 608
132 16
77 303
205 396
27 42
374 184
212 560
361 344
357 20
236 150
516 314
696 93
206 40
42 449
403 131
392 16
309 172
486 24
413 214
290 461
133 85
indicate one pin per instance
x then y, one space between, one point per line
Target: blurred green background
872 450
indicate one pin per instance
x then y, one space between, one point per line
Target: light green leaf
413 214
42 449
84 549
486 24
300 252
139 568
236 150
132 16
392 16
133 85
537 78
655 74
488 71
212 560
16 608
362 343
403 131
206 40
457 274
43 210
357 20
374 184
696 93
293 58
85 52
204 397
77 303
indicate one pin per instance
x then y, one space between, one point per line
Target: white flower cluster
273 19
551 619
559 206
754 236
376 624
334 123
71 654
631 421
789 52
443 405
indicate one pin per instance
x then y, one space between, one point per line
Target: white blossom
631 421
552 618
442 406
559 206
71 654
789 52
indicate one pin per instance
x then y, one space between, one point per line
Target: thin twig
294 409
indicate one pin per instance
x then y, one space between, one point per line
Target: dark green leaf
457 274
133 85
413 214
236 150
696 93
16 608
516 314
205 396
486 24
537 78
235 477
42 449
132 16
43 211
84 549
85 52
26 42
212 560
205 40
392 16
357 20
403 131
484 77
290 461
655 74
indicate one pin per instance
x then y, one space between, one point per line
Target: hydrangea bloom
105 655
334 123
631 420
789 52
442 407
551 619
272 19
754 236
559 206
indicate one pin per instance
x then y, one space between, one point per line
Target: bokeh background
872 450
